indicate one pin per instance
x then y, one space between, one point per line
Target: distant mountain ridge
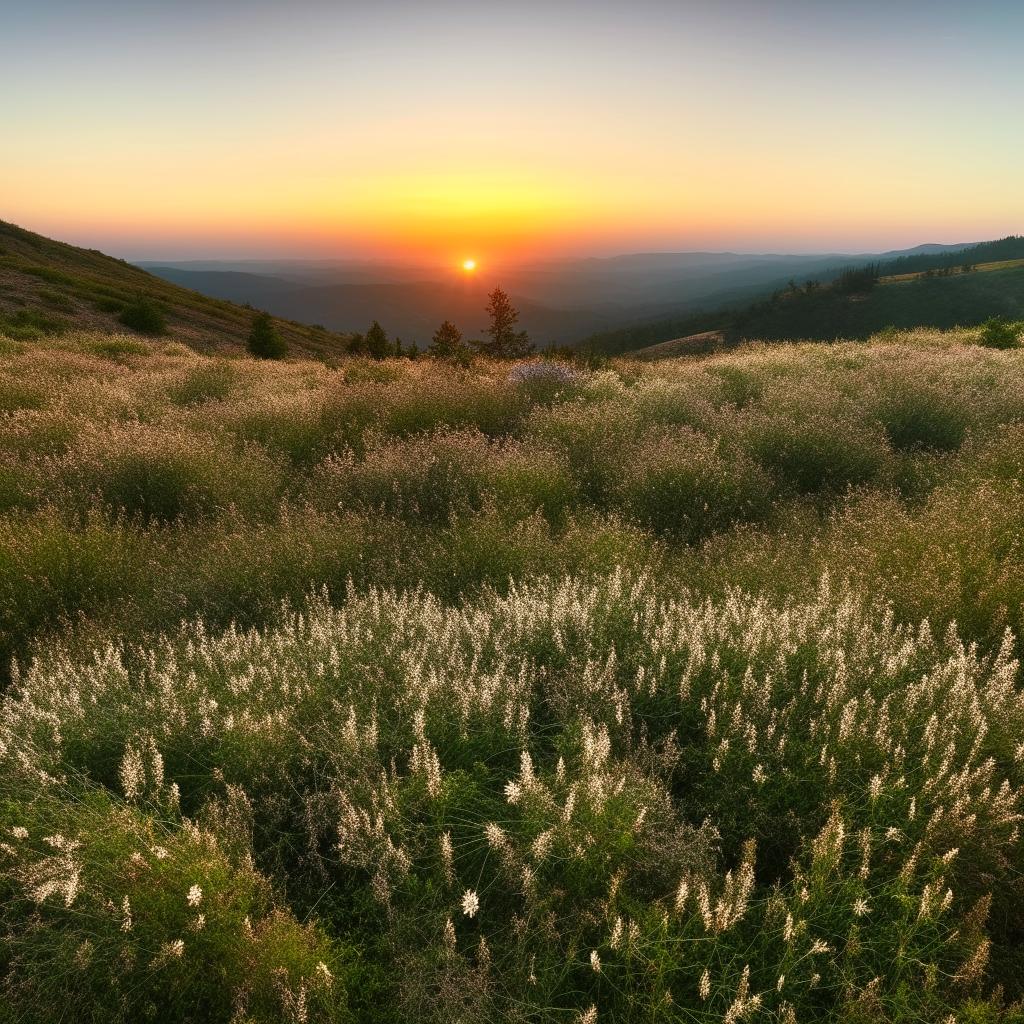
559 301
923 287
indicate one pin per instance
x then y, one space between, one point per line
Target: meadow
403 691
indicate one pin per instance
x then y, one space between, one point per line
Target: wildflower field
400 691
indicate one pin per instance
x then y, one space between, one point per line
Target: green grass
417 693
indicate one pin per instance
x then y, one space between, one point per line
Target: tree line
502 338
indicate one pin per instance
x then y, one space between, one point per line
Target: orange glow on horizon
443 156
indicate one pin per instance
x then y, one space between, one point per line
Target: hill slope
49 287
925 291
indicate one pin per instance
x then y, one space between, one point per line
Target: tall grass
683 691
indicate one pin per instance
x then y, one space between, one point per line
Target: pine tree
376 340
504 341
264 341
447 343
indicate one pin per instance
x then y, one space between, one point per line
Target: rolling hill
929 290
49 287
560 301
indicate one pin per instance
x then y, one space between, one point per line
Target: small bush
161 475
680 484
919 417
739 385
816 451
546 382
19 486
426 478
17 394
117 348
1000 332
144 315
56 300
205 383
264 341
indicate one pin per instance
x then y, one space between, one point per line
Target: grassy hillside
679 691
920 291
50 288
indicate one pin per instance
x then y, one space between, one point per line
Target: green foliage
815 450
375 342
144 315
1000 332
118 348
56 300
504 341
207 382
680 484
917 417
264 341
447 343
857 280
148 918
28 324
160 477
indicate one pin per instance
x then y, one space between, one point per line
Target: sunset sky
510 130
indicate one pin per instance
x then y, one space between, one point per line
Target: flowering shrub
556 373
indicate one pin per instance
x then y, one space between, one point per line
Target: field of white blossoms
398 691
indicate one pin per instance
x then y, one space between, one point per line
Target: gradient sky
513 129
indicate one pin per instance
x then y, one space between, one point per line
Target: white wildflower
542 844
132 773
681 893
704 988
447 857
169 951
470 903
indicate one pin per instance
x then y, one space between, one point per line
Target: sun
469 265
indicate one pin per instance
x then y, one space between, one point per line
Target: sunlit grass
678 691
